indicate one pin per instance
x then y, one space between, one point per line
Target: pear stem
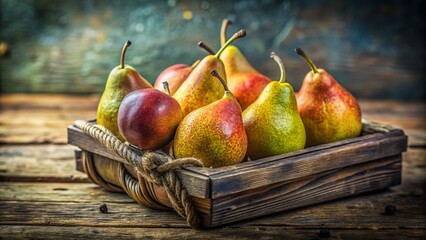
311 64
216 74
239 34
195 64
278 60
166 87
202 45
123 53
225 23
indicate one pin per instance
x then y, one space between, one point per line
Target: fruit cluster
222 111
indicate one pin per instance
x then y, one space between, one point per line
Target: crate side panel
306 165
216 172
326 186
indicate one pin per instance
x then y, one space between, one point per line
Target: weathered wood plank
39 163
366 136
86 214
326 186
295 167
365 211
262 233
219 171
41 118
55 102
58 192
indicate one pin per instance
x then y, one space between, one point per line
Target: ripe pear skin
243 80
121 81
148 118
272 122
200 89
214 134
175 75
329 112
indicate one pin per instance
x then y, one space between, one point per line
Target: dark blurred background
376 49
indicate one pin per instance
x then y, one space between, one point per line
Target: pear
214 133
245 82
122 80
330 113
200 89
272 123
175 75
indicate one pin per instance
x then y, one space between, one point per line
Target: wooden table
42 196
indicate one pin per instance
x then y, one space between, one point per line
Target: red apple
148 118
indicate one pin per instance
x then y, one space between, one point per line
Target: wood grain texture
46 209
262 233
58 192
39 163
325 186
41 119
365 211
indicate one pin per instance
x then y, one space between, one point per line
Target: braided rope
155 167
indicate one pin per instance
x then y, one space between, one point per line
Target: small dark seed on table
324 233
103 208
390 210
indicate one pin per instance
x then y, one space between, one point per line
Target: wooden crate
251 189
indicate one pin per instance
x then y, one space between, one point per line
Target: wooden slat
365 212
359 212
59 192
334 184
258 163
86 214
66 232
41 118
39 163
55 102
304 165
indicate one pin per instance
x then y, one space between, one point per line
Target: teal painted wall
374 48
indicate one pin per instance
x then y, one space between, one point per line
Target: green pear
330 113
272 123
122 80
200 89
214 133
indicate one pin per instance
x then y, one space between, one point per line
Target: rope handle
155 167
